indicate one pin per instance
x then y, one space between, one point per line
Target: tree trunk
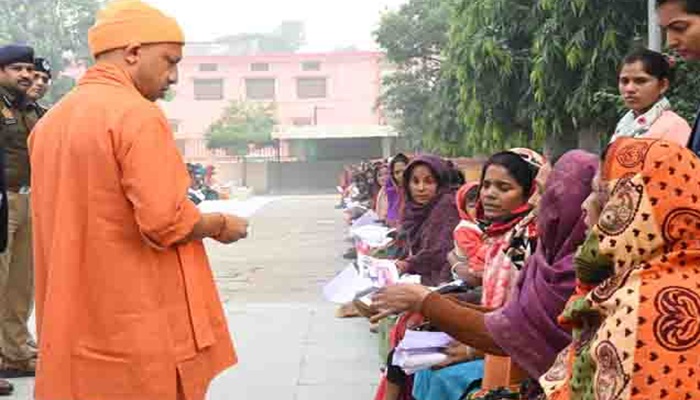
589 139
556 145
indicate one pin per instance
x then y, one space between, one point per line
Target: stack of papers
421 350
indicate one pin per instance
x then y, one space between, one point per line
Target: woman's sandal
6 388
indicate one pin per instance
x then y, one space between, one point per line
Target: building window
209 67
208 89
311 88
174 125
260 89
311 66
259 67
302 121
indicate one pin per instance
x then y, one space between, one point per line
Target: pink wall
353 86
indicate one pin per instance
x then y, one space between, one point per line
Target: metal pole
654 30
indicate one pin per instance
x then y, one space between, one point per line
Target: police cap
42 65
16 53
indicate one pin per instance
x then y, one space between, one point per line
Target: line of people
571 281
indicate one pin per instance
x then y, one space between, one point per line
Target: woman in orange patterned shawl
637 333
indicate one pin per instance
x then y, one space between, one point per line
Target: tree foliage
576 52
685 89
491 58
242 124
413 38
477 76
547 78
55 28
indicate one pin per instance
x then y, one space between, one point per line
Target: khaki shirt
16 122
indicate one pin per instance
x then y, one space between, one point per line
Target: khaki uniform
16 267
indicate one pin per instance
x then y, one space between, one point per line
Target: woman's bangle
471 353
454 269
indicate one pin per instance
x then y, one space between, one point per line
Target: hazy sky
329 23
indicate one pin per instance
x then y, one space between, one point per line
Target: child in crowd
467 258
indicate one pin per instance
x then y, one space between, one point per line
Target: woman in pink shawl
525 329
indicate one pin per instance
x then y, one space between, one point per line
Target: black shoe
6 388
18 369
350 254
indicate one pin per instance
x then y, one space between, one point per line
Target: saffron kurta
123 311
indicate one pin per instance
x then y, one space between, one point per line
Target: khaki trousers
17 280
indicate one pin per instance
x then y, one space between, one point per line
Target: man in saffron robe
127 308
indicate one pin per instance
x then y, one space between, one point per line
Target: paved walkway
289 343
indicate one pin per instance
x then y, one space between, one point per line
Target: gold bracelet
471 353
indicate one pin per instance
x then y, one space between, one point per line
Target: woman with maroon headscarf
429 218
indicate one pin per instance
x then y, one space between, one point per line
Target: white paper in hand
343 288
368 218
372 235
385 272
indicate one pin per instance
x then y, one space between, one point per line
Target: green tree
576 51
290 36
490 57
242 124
54 28
549 79
444 128
413 38
685 89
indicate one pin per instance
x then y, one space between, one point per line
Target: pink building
326 103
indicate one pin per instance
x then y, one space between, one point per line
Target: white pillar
387 147
654 30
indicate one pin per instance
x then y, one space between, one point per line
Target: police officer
17 118
41 83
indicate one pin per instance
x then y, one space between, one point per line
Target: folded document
421 350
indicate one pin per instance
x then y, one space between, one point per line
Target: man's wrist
222 226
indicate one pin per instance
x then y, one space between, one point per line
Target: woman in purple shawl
525 328
430 217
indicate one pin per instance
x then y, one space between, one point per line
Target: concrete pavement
289 343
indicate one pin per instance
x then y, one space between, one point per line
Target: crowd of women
577 280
